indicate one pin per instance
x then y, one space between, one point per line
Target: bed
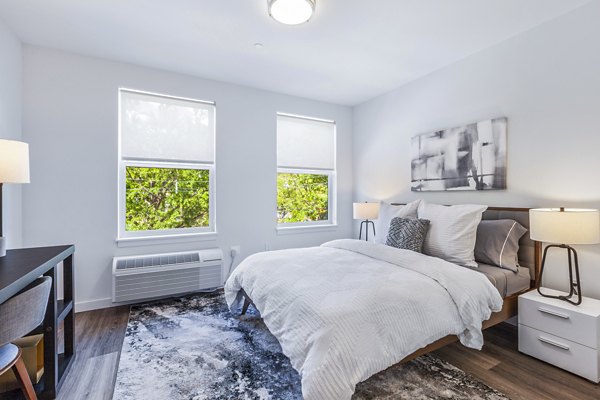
530 253
348 309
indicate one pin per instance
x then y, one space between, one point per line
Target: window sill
292 230
166 239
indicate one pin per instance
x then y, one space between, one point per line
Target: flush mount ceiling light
291 12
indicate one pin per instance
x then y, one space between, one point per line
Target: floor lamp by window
563 227
367 212
14 168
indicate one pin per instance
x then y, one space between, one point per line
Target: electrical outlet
235 251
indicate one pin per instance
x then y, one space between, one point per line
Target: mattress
507 282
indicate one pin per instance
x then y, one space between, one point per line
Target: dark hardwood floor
501 366
100 336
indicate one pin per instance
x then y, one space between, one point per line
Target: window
305 171
166 165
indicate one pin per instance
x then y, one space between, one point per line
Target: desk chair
20 315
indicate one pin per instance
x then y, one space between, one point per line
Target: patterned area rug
194 348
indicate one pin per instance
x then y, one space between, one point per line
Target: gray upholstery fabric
498 243
8 353
24 312
407 233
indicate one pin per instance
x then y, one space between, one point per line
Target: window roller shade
305 144
163 128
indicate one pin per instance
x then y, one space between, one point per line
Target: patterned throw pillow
387 212
407 233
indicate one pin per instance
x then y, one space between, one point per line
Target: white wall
547 82
70 119
11 65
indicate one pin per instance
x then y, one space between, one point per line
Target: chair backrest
25 311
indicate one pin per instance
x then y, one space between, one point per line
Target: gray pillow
498 243
387 212
407 233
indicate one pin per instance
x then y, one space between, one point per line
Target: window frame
124 162
331 182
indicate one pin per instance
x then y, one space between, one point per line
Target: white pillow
452 231
387 212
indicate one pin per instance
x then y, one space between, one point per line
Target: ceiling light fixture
291 12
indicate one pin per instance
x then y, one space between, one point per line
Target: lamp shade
14 161
565 225
366 210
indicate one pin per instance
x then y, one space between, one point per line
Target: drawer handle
553 343
556 314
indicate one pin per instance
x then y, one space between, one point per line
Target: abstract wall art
470 157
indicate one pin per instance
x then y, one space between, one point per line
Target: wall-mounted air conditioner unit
152 276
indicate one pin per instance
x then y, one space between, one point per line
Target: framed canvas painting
469 157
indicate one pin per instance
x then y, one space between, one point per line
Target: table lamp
367 212
563 227
14 168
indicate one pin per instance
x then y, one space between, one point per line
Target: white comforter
349 309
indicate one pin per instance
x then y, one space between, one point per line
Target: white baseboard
99 304
90 305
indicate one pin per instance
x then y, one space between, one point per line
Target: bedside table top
588 305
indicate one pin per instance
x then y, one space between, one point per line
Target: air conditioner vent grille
158 261
152 276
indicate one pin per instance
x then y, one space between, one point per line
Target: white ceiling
351 51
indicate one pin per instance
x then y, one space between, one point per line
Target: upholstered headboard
529 250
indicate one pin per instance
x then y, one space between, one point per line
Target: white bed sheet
349 309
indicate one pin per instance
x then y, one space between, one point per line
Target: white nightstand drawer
574 357
561 321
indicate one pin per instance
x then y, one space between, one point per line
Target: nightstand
560 333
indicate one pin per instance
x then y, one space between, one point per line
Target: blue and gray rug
194 348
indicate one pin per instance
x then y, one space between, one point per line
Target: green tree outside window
166 198
302 197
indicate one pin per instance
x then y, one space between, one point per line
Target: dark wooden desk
17 270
